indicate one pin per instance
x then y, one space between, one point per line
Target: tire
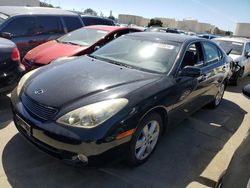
238 77
218 97
144 141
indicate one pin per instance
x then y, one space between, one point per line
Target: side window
247 47
193 56
72 23
211 53
23 26
87 21
108 22
49 25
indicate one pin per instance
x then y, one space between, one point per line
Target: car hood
49 51
66 82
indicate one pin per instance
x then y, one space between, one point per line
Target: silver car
240 53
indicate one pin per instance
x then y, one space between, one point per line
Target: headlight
94 114
23 80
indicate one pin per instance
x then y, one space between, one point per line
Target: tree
43 4
228 33
89 11
155 22
111 17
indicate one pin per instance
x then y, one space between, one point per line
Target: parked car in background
80 42
121 98
238 172
208 36
96 20
10 67
240 53
162 29
29 27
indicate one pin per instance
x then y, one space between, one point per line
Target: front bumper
63 143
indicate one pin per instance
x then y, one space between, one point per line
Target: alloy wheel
147 140
219 95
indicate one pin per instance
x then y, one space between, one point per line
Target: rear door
72 23
214 70
48 28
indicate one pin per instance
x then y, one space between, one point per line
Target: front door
188 89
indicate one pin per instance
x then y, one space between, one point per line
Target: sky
221 13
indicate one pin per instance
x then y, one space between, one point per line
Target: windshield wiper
120 64
110 61
64 42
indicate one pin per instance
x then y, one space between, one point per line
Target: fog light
82 158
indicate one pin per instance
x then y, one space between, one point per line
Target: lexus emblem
39 91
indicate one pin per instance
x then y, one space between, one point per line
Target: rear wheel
145 139
218 98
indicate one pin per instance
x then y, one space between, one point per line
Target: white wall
242 29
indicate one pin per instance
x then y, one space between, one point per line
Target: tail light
15 55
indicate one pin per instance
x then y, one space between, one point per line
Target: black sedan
121 98
10 67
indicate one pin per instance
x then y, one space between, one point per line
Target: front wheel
145 139
218 98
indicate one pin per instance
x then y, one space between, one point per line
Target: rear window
72 23
49 25
96 21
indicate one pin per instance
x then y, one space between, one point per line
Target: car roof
164 36
91 16
108 28
22 10
234 39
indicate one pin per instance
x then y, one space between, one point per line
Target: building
130 19
144 22
185 24
242 29
32 3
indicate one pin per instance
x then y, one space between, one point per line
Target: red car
79 42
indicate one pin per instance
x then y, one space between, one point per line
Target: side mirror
191 71
96 48
247 54
246 91
6 35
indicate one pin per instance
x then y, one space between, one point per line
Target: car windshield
83 37
3 17
139 53
237 47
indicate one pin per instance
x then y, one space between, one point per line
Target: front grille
39 110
